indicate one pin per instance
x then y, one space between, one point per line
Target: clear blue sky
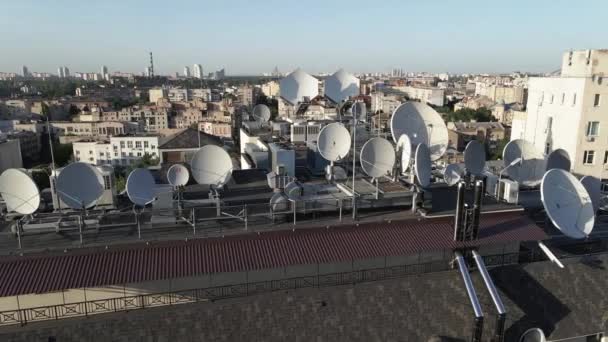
252 36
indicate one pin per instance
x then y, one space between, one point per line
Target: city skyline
251 39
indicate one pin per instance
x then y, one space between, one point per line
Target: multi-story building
152 118
570 112
460 133
178 94
198 71
271 89
385 103
246 95
10 154
119 150
155 94
430 95
501 93
29 144
186 71
218 129
187 118
108 197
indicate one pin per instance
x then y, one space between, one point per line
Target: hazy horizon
252 38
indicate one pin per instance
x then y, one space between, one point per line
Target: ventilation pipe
478 323
499 331
479 189
459 216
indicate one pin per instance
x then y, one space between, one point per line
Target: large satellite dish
594 188
297 86
334 142
533 335
453 173
559 159
422 165
567 203
178 175
475 157
80 185
141 187
377 157
19 192
341 85
404 148
211 165
529 171
261 113
423 125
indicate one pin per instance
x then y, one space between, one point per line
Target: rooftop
188 139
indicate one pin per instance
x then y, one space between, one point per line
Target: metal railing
128 303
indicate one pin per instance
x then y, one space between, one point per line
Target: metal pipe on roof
468 283
459 216
500 308
477 208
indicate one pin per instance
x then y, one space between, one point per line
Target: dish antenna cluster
474 164
524 163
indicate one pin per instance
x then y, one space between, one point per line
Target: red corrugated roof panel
90 268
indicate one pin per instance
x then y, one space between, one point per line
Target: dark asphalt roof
87 268
188 139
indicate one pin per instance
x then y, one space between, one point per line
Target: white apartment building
153 119
430 95
271 89
197 70
156 94
500 93
123 150
384 103
219 129
571 112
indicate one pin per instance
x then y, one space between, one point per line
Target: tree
63 154
468 114
73 111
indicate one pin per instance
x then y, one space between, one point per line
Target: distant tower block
151 70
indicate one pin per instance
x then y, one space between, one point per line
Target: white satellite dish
341 85
360 111
293 191
453 173
559 159
334 142
19 192
278 202
422 165
475 157
80 185
178 175
141 187
529 171
404 148
533 335
594 188
377 157
423 125
261 113
211 165
298 86
567 203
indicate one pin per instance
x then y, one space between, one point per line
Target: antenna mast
151 65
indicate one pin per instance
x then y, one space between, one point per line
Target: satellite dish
594 188
178 175
80 185
567 203
19 192
360 111
293 191
422 166
337 172
453 173
334 142
141 187
533 335
559 159
261 113
211 165
404 147
529 171
278 202
423 125
475 157
298 86
377 157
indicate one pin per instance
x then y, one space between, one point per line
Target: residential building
10 154
501 93
570 112
155 94
29 144
187 118
460 133
180 147
118 150
198 71
218 129
430 95
186 72
178 95
271 89
246 95
386 103
152 118
474 103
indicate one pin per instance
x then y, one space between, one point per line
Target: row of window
129 144
589 157
597 99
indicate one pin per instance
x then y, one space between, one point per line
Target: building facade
120 150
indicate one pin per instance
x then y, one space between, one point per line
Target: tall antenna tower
151 65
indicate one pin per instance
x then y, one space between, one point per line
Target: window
90 152
138 144
547 148
551 99
153 147
123 154
77 152
115 154
563 98
130 154
600 79
101 154
129 144
107 183
115 147
122 144
139 154
574 99
589 157
145 144
596 100
593 128
606 157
